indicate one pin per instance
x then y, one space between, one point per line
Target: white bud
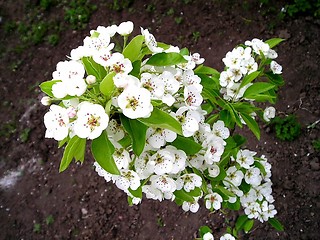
91 79
125 28
46 101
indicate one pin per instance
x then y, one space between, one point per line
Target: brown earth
83 206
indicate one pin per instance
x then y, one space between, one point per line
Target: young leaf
203 230
183 195
207 71
74 149
166 59
241 220
252 124
275 78
249 78
274 42
136 68
188 145
233 206
222 191
132 50
248 225
257 88
102 151
107 85
46 87
136 193
184 51
161 119
276 224
261 167
93 68
137 132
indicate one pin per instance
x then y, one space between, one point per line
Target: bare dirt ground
81 204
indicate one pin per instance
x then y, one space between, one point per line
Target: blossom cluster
159 121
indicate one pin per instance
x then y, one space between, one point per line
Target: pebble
84 211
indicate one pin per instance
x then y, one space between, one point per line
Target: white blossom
189 182
245 158
227 236
190 206
162 161
269 113
275 67
125 28
127 179
213 200
57 123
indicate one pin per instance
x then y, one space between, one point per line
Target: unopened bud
91 79
46 101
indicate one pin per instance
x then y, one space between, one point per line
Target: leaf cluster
287 128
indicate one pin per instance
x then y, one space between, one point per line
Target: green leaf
252 124
125 142
136 193
93 68
248 225
74 149
107 85
136 68
249 78
102 151
221 175
196 192
137 132
183 195
233 206
203 230
241 220
225 116
261 167
188 145
63 141
132 50
275 78
257 89
163 45
209 82
46 87
161 119
184 51
222 191
166 59
201 69
276 224
274 42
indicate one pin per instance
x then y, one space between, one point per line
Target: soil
82 204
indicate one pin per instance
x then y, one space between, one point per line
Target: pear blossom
253 177
158 137
152 193
245 158
119 64
258 46
90 79
219 129
213 200
269 113
192 97
135 102
226 78
123 80
127 179
214 150
227 236
268 211
45 101
250 65
190 206
252 210
91 120
171 86
190 79
102 56
162 161
179 162
103 173
121 158
115 130
57 123
150 41
234 176
189 182
214 170
275 67
163 183
125 28
189 121
153 84
143 169
207 236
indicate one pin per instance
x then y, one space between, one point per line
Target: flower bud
46 101
91 79
125 28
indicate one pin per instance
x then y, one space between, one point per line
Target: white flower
152 192
214 150
190 206
102 56
213 200
57 123
171 86
250 65
163 183
192 97
190 79
227 236
141 166
102 173
97 43
90 79
245 158
189 182
258 46
135 102
45 101
214 170
158 137
153 84
127 179
68 70
189 121
269 113
275 67
119 64
226 78
115 130
125 28
91 120
179 162
253 176
219 129
161 161
207 236
197 59
123 80
121 158
150 41
234 177
252 210
272 54
268 211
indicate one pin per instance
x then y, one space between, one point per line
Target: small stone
84 211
